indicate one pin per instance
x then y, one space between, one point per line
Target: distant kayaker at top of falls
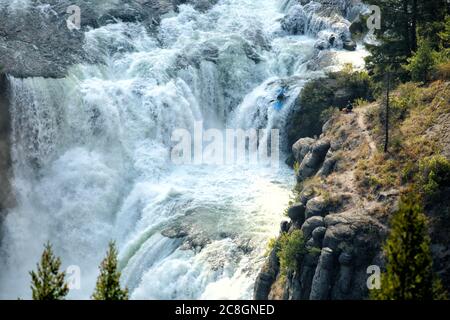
281 96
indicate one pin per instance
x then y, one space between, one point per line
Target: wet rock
294 22
349 45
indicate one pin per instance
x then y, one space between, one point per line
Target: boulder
294 22
297 213
306 195
318 234
328 166
313 160
311 224
337 234
301 148
349 45
318 206
344 279
284 226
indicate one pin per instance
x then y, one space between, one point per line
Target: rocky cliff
6 199
348 189
340 226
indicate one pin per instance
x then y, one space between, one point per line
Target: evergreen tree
421 64
48 283
409 274
108 282
397 40
403 22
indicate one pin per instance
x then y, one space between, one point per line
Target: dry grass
415 110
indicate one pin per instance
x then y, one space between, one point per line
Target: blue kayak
278 105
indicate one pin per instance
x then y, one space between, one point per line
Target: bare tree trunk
386 126
414 26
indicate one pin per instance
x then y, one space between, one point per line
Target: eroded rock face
301 148
341 238
267 277
36 42
313 160
297 213
6 197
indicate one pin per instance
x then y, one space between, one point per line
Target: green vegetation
108 282
434 176
48 282
409 28
421 65
291 248
409 273
273 242
320 97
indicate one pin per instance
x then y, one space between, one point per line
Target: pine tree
403 22
108 282
409 274
422 63
48 283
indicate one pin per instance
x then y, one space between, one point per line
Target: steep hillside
348 189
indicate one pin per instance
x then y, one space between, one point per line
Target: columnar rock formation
341 232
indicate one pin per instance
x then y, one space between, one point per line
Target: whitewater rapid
91 154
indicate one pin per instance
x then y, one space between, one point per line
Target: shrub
291 250
443 71
296 168
360 102
434 175
272 244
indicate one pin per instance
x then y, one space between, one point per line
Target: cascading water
91 154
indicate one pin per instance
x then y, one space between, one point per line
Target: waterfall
91 153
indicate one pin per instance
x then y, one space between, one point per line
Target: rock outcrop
6 198
341 230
